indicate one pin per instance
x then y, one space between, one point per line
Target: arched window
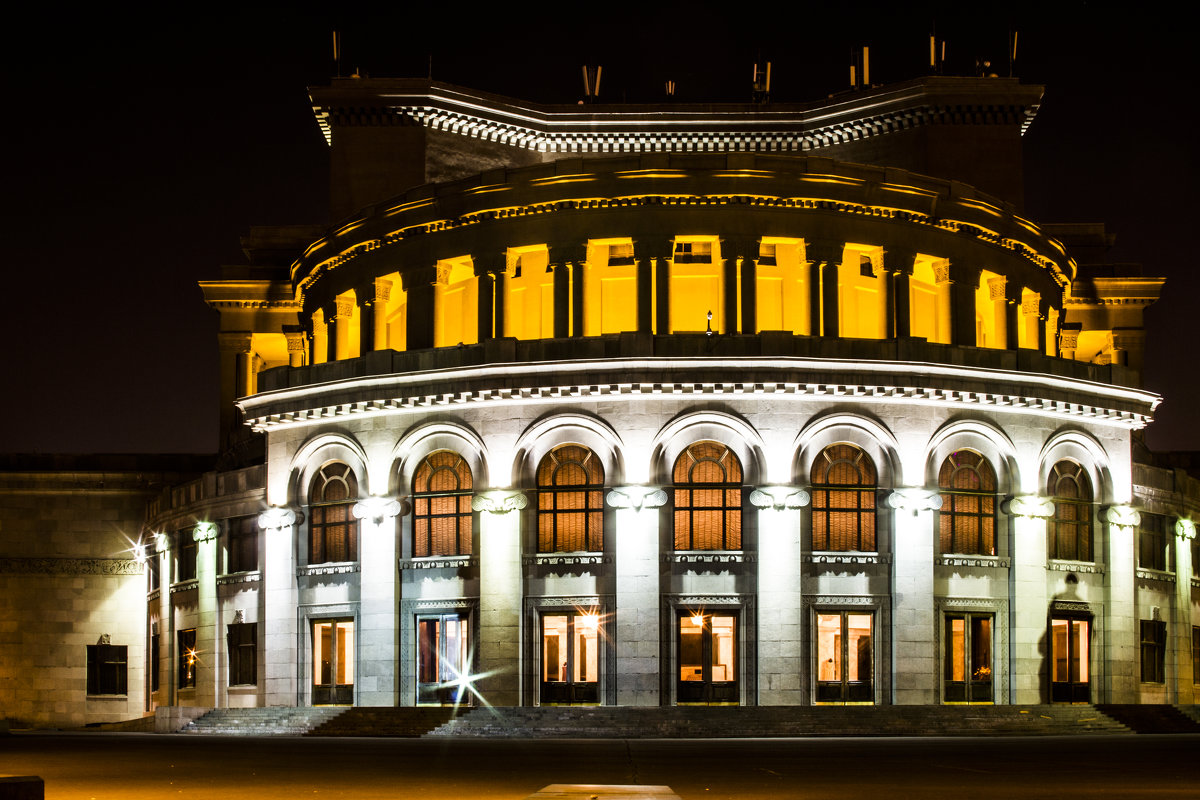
843 499
442 506
967 522
333 532
708 498
1071 534
570 483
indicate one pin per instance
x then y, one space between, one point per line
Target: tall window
333 533
106 668
152 563
185 549
442 506
843 499
967 522
243 654
708 498
1071 534
1154 650
1152 542
968 658
243 544
844 660
570 483
188 658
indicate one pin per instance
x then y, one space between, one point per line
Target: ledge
710 557
992 562
838 557
1085 567
1162 576
327 569
439 562
557 559
185 586
239 577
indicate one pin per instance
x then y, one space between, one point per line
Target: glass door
844 658
571 658
1069 665
707 659
443 648
333 662
968 667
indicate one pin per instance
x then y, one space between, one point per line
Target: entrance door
1069 665
968 673
571 658
707 659
844 658
443 646
333 663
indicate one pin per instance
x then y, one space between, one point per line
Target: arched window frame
843 486
570 513
333 531
443 523
1070 535
967 520
712 506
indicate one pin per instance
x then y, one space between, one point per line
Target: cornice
867 382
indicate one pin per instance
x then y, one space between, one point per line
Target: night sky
142 148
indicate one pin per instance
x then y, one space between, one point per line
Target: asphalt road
103 765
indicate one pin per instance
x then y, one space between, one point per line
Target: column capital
377 509
997 288
1121 516
941 271
383 290
1029 505
915 500
499 501
295 341
421 276
162 542
780 497
1032 305
899 260
235 341
345 307
278 517
824 251
636 497
1185 529
205 532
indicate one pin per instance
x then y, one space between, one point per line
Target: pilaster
637 588
499 596
379 601
209 642
780 627
419 286
279 633
1181 623
1027 674
1121 635
914 650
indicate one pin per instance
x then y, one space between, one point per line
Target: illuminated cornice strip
390 396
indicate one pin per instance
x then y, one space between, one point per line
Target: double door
1070 648
707 658
570 658
443 659
333 662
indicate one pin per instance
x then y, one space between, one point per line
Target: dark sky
141 148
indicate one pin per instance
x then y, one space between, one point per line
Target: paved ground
99 765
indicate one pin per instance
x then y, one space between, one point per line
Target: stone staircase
403 721
270 721
1151 718
774 721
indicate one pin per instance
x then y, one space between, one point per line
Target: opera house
640 405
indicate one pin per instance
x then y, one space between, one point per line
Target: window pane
554 648
345 653
956 633
829 647
587 648
858 632
691 648
981 648
1080 668
323 654
723 646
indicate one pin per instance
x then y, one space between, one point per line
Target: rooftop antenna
591 83
762 83
670 87
1012 52
337 53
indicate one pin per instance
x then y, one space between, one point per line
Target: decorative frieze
706 557
185 586
439 562
239 578
1154 575
847 558
70 566
326 569
1082 567
565 559
993 562
853 600
582 601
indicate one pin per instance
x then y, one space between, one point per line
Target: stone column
419 285
209 641
1012 316
662 289
486 268
637 621
279 634
379 334
562 295
500 596
296 346
825 256
1068 340
1181 622
914 652
780 601
333 330
235 375
1029 650
899 267
320 338
750 287
963 280
167 688
568 261
645 293
733 251
1121 632
1031 307
379 602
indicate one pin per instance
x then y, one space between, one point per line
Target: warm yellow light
698 620
588 621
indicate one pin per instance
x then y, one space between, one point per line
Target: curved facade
736 426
